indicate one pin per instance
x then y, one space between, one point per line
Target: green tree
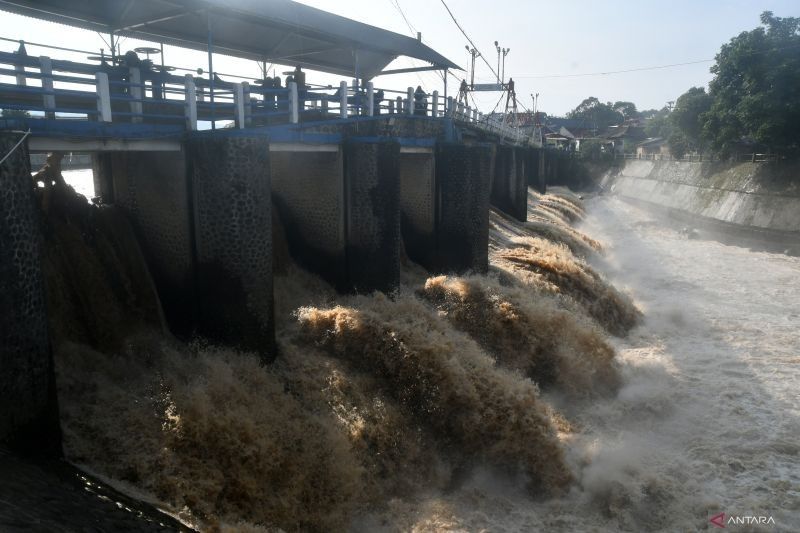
626 109
659 124
648 113
678 144
595 114
756 87
686 117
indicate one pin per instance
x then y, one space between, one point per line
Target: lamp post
497 74
474 53
505 52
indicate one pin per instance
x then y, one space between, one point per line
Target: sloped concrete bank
751 204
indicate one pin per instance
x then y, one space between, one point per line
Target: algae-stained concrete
372 185
340 206
418 205
233 240
463 186
309 195
28 412
154 191
509 182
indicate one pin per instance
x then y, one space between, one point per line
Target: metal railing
115 92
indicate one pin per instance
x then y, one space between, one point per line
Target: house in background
655 147
625 138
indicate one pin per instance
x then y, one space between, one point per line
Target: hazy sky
547 38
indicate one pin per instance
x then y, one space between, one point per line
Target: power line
402 14
657 67
413 31
467 37
640 69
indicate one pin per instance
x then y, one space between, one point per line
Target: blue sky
546 39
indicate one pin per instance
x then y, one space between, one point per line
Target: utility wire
615 71
413 31
467 37
657 67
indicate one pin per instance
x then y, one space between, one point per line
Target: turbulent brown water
491 402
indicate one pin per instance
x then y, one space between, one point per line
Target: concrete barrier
28 407
230 179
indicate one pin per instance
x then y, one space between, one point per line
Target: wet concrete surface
47 495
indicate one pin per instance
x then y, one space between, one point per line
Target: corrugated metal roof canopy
279 31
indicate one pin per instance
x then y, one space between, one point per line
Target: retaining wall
761 200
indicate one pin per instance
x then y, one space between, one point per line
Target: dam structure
359 176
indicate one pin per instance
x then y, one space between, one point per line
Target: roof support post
248 104
399 106
449 110
210 67
49 100
410 100
19 69
343 99
190 109
238 105
370 99
356 82
435 104
294 108
136 92
103 97
445 84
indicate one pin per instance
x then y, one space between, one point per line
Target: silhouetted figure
463 89
131 59
420 102
300 78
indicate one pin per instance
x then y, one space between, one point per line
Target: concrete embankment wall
760 201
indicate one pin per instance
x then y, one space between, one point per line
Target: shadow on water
52 495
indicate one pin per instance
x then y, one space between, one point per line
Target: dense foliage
597 115
756 88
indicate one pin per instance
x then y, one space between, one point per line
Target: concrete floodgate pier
28 411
